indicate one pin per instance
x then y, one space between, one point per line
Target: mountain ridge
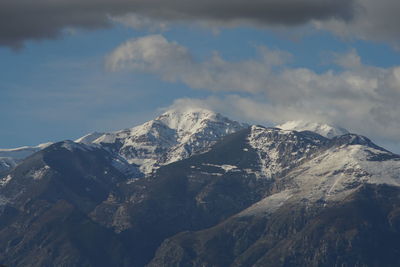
246 193
185 126
172 136
324 129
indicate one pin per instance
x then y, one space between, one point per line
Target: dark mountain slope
361 230
44 220
187 195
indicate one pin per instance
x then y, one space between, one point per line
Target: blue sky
63 87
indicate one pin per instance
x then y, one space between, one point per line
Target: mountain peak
188 111
188 118
324 129
89 138
174 135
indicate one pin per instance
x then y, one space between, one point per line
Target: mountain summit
326 130
175 135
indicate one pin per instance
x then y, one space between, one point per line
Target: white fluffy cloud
359 97
173 62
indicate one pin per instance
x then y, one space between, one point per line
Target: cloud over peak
359 97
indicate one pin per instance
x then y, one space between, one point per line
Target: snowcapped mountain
323 198
258 196
174 135
323 129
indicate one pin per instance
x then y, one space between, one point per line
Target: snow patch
326 130
224 167
228 168
39 174
267 205
4 181
212 173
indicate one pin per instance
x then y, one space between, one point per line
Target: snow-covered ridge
317 170
326 130
9 158
337 172
331 176
89 138
22 152
174 135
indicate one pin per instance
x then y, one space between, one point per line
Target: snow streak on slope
311 168
175 135
331 176
323 129
267 205
89 138
337 172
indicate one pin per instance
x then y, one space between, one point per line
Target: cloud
140 22
372 20
153 54
365 99
173 62
42 19
24 20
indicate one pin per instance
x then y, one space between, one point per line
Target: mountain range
194 188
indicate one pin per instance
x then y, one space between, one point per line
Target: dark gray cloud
22 20
372 20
